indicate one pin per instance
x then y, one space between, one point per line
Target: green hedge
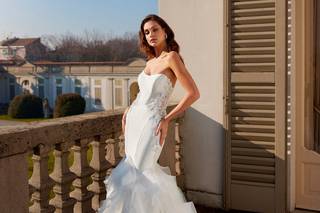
26 106
69 104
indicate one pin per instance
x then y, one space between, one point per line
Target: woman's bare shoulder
174 57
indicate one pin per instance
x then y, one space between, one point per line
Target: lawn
7 117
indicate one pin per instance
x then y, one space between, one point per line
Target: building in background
104 85
20 49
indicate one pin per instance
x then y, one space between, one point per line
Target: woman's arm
192 93
184 77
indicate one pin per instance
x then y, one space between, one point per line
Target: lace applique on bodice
155 91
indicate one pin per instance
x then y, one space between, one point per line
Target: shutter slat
253 59
253 20
253 168
253 97
253 12
253 50
253 67
252 35
253 28
252 105
253 128
253 4
247 160
252 183
245 176
252 144
253 43
253 120
253 88
252 152
252 136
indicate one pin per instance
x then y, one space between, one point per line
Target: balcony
69 188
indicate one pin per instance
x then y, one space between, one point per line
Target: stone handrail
101 130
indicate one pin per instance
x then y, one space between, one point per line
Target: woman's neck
160 49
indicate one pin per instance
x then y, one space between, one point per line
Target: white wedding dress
139 184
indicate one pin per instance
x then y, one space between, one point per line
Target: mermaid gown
138 184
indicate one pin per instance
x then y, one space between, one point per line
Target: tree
93 46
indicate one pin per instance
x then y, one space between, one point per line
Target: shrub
69 104
26 106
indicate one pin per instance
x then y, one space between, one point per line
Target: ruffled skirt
153 190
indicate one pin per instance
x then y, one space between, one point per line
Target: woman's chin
153 44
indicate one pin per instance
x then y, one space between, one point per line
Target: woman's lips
153 40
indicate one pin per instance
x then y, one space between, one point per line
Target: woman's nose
152 33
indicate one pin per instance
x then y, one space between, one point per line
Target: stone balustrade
79 187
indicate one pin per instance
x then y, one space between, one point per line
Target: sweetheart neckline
161 74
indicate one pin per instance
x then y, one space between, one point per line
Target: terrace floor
203 209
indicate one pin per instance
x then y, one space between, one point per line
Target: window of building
58 86
118 91
41 87
5 52
12 88
97 92
78 85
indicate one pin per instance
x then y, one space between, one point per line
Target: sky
36 18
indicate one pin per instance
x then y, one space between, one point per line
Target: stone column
127 91
63 179
178 154
40 181
100 166
113 154
82 170
112 92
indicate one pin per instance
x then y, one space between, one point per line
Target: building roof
7 62
19 41
88 63
12 62
67 63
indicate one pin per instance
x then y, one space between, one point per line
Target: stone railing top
21 138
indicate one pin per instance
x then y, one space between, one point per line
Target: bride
139 184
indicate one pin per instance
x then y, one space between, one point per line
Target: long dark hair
149 50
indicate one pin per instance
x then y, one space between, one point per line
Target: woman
139 184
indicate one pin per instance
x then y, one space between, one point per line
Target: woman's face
154 33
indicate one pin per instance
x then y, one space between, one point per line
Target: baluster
63 179
112 151
82 170
121 146
100 165
40 180
178 154
118 147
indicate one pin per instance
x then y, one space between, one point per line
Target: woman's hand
162 129
124 120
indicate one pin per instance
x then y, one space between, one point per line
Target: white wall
198 27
